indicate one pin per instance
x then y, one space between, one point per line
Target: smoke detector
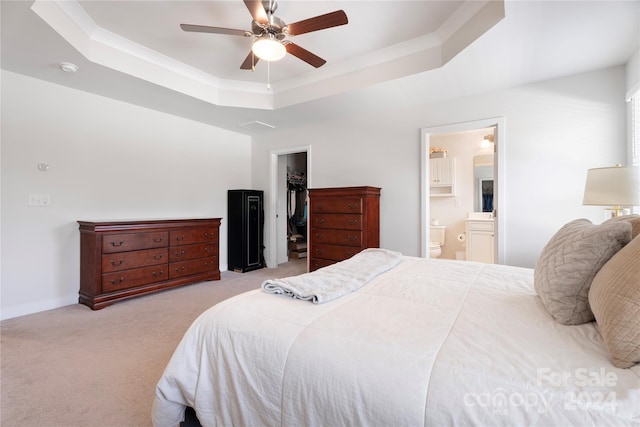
68 67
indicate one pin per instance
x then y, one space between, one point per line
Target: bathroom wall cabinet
442 177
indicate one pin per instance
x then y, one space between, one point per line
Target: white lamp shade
268 48
614 186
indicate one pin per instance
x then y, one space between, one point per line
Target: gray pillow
634 220
570 261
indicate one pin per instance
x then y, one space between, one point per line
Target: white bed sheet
431 342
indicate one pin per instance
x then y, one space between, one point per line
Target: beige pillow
569 262
615 300
634 220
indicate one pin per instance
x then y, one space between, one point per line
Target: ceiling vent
256 125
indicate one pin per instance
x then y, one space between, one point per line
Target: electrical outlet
39 199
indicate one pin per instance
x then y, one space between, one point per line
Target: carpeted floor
76 367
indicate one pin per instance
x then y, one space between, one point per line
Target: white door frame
499 124
272 241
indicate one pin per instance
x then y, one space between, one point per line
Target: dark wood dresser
125 259
343 222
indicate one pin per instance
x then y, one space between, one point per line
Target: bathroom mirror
483 183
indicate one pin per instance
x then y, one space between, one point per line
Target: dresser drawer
187 268
186 252
131 278
316 263
135 259
193 235
338 221
480 225
334 252
337 237
133 241
346 205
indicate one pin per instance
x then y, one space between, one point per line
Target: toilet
436 236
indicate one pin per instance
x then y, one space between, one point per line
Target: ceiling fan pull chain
268 75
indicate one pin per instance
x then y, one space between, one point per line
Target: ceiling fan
270 33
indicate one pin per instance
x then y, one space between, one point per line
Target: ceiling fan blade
305 55
256 9
247 64
328 20
215 30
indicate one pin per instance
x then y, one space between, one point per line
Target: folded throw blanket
335 280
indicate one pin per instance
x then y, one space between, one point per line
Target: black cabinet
245 230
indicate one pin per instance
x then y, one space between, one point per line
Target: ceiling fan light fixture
268 48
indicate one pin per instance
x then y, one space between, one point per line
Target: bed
422 343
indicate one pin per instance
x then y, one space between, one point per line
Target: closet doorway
290 172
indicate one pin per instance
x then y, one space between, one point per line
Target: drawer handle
352 238
156 274
209 235
117 244
113 281
113 262
352 221
352 205
158 240
319 235
320 205
320 220
180 238
181 269
158 256
318 251
209 264
179 253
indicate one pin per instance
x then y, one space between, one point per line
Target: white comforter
431 342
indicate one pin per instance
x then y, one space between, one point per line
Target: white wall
555 131
109 160
112 160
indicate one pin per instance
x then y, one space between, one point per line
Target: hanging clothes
301 201
291 203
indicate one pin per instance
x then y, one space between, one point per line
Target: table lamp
617 187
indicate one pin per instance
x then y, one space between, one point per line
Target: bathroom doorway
463 197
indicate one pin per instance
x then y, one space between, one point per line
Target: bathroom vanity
481 237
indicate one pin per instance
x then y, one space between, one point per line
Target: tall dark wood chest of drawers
125 259
343 222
